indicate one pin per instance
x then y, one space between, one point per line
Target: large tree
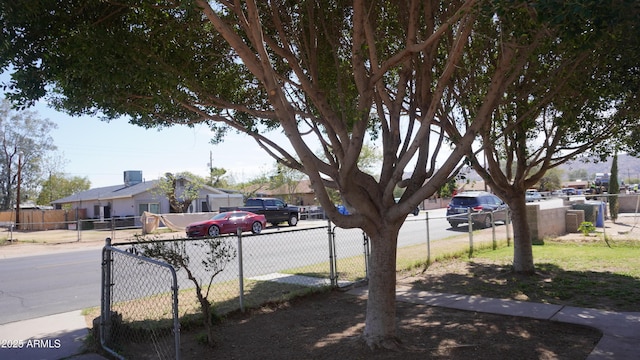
25 140
58 185
332 73
577 95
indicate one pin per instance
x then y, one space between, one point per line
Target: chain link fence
231 273
142 304
223 274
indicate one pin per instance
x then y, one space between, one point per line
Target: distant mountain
628 167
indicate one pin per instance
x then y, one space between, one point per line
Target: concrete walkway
620 331
53 337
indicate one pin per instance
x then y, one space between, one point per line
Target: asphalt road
35 286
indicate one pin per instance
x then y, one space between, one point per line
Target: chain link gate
349 256
139 306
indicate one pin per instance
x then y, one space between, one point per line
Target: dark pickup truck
275 210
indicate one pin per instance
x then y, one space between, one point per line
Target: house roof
119 192
108 192
301 187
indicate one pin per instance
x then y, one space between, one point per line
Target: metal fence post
105 303
113 227
176 316
507 223
240 270
428 239
470 222
78 223
493 231
366 255
332 259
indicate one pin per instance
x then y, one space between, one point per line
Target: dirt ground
328 326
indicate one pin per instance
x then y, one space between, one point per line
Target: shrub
586 228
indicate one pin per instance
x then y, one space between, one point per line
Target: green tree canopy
57 186
218 177
552 180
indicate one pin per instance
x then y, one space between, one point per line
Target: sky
102 151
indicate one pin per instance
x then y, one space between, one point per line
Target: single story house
299 193
136 196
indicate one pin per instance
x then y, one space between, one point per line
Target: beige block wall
546 222
573 219
628 203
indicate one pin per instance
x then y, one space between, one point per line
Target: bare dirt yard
328 326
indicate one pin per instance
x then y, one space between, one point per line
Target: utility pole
211 167
18 192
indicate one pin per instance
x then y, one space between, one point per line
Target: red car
227 223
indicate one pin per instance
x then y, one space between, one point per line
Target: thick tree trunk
380 325
522 244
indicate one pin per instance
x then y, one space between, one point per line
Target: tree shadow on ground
551 284
329 324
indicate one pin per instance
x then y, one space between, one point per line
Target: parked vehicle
532 195
569 191
415 211
275 210
557 193
344 211
600 183
227 223
481 204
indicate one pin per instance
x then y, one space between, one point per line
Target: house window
102 211
150 207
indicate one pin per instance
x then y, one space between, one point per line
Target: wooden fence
37 219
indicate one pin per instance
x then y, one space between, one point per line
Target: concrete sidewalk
60 336
620 331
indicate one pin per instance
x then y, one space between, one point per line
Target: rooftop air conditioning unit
132 177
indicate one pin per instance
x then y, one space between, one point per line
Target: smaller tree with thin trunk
217 254
573 99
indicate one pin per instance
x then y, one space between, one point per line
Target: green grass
584 274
